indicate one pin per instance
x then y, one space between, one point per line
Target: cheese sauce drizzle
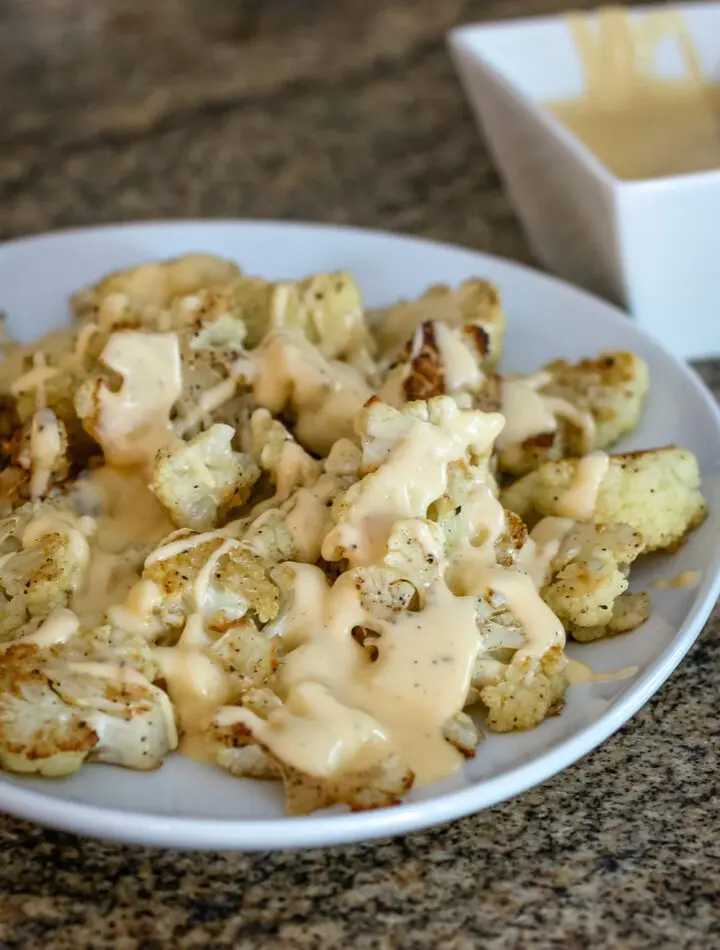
580 499
399 701
529 412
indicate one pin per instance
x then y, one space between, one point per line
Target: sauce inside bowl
638 123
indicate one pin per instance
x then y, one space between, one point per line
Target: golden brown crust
512 541
642 453
680 542
477 338
611 369
20 673
426 377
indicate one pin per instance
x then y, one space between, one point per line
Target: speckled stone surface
342 111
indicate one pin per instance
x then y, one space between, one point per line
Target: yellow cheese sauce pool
641 125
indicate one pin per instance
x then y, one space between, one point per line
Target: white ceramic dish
188 805
649 245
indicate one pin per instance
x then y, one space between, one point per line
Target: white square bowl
651 245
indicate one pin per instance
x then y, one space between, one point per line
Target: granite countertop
345 111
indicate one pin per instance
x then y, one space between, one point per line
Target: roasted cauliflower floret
416 552
328 309
628 612
374 778
109 643
44 573
200 481
294 528
35 461
383 592
238 583
213 389
475 304
38 731
268 537
656 492
55 713
286 462
461 732
525 692
156 284
575 408
500 630
245 653
243 574
539 427
45 375
29 371
400 481
376 786
471 516
209 320
344 459
243 303
612 387
234 749
589 574
45 561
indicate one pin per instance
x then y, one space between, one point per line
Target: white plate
188 805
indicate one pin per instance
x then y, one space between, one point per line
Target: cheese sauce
325 395
460 365
529 412
139 613
638 123
124 520
525 410
580 499
485 521
197 685
59 626
401 700
134 422
541 627
542 547
687 579
35 379
579 673
308 519
45 450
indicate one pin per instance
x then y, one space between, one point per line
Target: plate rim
291 833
